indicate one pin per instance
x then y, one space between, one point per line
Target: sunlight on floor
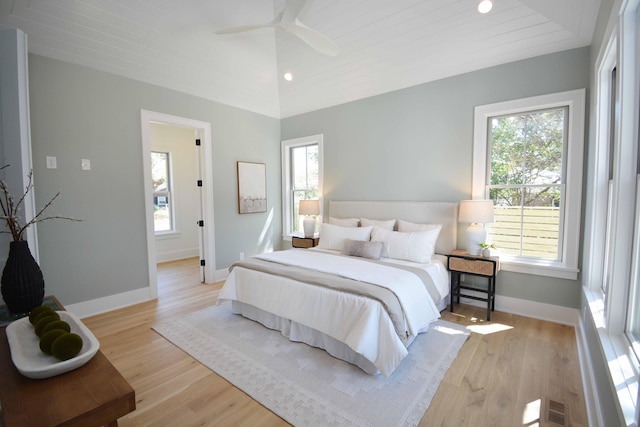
489 328
449 331
531 414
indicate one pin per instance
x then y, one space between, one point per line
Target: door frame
208 247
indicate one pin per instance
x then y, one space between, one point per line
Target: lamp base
309 226
475 235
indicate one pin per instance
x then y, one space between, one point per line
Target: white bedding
437 270
361 323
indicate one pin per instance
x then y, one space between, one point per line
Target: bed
344 299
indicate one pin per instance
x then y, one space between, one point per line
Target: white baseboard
177 255
221 275
109 303
588 382
535 310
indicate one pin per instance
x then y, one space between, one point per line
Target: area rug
305 385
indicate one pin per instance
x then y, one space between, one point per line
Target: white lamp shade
476 211
309 207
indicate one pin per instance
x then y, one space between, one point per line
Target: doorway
202 142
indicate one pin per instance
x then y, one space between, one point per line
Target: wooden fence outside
540 231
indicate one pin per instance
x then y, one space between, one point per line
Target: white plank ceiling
385 45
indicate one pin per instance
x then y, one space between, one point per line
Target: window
629 128
526 182
528 160
612 265
301 180
163 218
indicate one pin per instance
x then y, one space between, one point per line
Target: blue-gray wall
417 144
80 113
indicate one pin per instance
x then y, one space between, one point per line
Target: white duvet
359 322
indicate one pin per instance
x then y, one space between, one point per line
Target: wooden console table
93 395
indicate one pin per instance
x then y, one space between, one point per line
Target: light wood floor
502 376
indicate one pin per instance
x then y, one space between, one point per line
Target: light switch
86 164
52 162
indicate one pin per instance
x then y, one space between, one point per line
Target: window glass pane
526 176
305 166
160 179
507 150
527 148
305 180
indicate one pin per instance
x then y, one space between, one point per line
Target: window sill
620 358
539 268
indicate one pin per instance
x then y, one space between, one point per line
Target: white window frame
610 311
567 266
287 208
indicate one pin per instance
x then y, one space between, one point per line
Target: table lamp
476 213
309 208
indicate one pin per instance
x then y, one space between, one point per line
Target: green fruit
66 346
43 321
48 338
57 324
45 314
38 310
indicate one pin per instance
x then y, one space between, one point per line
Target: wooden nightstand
304 242
460 262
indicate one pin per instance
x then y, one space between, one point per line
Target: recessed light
288 76
485 6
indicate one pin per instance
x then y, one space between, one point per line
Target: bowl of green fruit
50 343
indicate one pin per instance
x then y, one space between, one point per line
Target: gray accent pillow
363 249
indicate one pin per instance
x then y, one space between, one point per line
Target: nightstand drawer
304 242
473 266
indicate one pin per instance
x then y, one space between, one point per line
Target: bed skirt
300 333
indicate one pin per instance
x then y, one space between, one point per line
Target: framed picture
252 187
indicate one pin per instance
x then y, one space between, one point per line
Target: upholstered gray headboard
445 213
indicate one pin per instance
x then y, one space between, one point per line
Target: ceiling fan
288 21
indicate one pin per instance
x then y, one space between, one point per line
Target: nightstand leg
493 293
455 289
490 297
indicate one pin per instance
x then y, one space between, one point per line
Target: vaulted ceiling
385 45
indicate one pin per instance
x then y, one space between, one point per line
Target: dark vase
22 281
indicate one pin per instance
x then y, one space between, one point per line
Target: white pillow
344 222
417 246
332 236
407 226
387 224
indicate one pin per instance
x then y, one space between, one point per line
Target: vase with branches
22 281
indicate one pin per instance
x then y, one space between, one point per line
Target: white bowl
33 363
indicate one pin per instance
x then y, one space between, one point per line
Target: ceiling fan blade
292 10
243 29
313 38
